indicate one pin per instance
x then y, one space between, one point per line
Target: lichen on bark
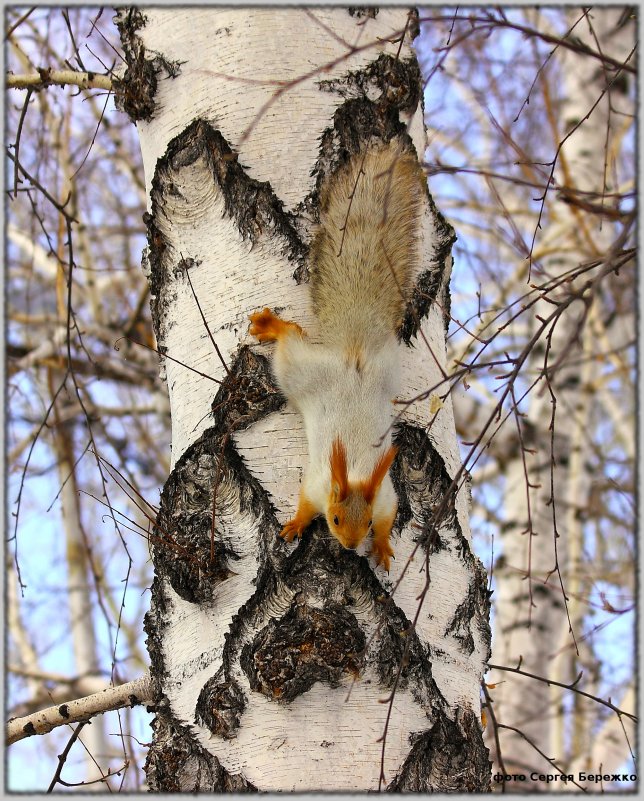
135 88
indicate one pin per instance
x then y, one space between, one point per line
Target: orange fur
381 547
370 486
305 513
350 509
268 327
339 475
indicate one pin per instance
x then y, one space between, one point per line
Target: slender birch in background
270 662
73 288
545 537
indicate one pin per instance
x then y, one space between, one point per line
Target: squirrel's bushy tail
365 249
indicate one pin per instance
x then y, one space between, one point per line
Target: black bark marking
397 80
220 706
460 623
252 204
176 763
422 484
193 561
247 395
421 481
321 570
63 711
473 610
153 261
449 757
134 92
288 656
395 637
363 11
432 285
29 728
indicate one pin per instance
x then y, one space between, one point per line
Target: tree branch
46 77
82 709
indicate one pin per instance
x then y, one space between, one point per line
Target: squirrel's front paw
382 551
291 530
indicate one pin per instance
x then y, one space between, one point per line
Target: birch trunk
270 660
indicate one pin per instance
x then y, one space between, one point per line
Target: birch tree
267 659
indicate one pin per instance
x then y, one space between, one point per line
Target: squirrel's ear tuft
339 476
371 485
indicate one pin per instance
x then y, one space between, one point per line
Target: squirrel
362 258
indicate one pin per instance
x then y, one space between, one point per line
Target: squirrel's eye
336 521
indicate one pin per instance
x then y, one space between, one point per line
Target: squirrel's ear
339 477
370 486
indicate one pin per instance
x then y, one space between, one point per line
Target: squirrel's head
349 511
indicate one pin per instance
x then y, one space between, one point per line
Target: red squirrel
361 261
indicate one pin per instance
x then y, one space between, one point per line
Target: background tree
558 314
490 156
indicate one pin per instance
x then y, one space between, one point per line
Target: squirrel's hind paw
268 327
263 325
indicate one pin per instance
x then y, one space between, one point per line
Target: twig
62 758
571 686
495 724
19 22
16 147
205 322
540 752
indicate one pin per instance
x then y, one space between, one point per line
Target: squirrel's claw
291 530
383 552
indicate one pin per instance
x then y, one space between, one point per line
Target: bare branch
130 694
48 77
